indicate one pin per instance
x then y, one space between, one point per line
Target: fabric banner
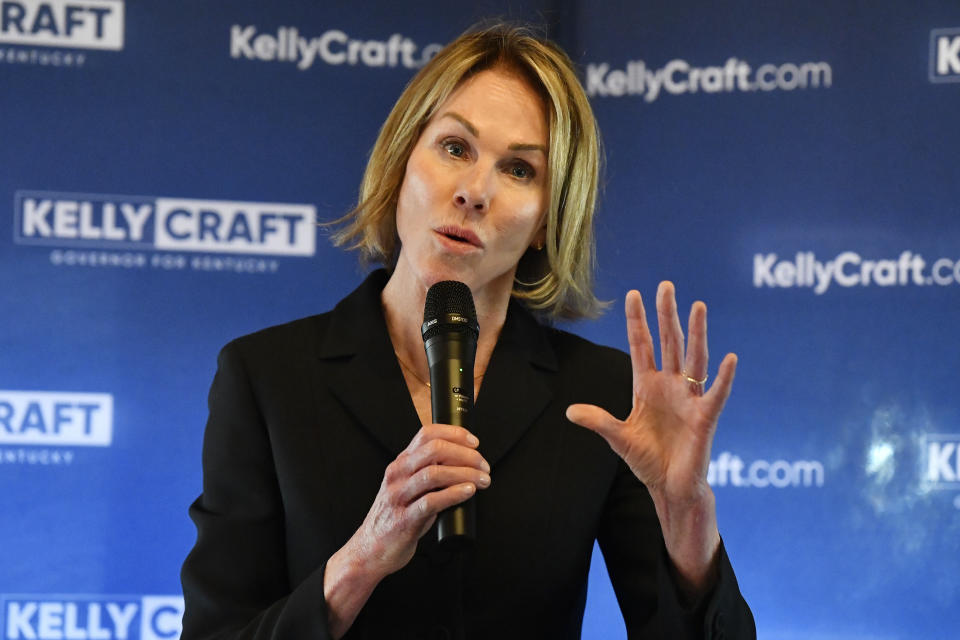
793 164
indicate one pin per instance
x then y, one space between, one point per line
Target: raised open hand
666 438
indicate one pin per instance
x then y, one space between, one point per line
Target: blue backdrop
794 164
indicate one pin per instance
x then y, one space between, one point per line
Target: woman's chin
427 273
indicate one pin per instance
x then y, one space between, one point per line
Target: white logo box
91 24
945 55
58 418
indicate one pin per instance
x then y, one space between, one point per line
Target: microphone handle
450 357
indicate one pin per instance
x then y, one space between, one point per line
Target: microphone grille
449 307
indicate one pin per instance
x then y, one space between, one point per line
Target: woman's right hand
440 468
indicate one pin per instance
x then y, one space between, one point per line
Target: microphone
450 334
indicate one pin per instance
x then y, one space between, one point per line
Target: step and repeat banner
794 164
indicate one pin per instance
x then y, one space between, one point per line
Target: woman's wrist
348 582
692 540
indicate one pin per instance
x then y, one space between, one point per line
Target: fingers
424 511
438 487
440 458
441 444
695 356
638 335
717 396
449 432
671 334
695 363
595 419
441 476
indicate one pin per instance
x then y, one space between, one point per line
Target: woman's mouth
460 235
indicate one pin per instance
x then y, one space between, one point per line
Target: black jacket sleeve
235 583
721 614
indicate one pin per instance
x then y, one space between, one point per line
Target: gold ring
694 380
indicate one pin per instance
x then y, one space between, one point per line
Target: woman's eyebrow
517 146
528 147
466 123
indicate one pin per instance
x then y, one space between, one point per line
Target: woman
323 472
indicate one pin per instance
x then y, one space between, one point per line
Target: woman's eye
521 171
455 148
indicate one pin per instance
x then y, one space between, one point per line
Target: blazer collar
367 378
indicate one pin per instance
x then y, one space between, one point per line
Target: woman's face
474 195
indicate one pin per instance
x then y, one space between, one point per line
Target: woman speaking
324 473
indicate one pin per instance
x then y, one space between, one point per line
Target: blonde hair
556 282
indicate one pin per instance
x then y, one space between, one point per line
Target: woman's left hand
666 439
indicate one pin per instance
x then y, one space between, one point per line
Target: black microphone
450 334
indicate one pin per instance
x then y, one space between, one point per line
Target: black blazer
305 417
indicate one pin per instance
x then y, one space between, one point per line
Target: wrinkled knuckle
435 448
431 475
389 495
423 506
392 471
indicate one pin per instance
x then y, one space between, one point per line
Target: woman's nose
473 192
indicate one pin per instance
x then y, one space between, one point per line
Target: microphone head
449 307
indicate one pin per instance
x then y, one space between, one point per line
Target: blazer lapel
362 370
515 388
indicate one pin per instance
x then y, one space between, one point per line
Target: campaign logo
332 47
56 418
731 470
91 617
679 77
945 55
850 269
90 24
169 224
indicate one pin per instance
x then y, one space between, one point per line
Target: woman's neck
403 298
